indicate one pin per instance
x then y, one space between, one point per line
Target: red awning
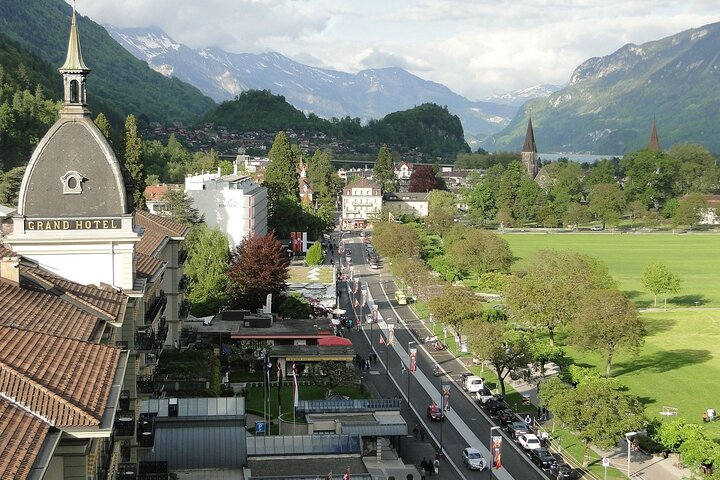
332 341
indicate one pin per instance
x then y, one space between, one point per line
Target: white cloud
475 48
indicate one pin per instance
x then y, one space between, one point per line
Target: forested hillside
119 83
429 129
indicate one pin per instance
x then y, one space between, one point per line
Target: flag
413 360
357 304
266 374
280 382
296 390
391 217
495 447
382 340
347 474
391 335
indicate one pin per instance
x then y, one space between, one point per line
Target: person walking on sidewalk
416 431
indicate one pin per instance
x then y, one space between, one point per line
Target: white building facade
362 201
234 204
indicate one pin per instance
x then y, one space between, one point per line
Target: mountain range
368 94
609 105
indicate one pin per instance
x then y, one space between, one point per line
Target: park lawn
677 367
299 274
694 257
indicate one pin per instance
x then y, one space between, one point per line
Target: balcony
184 309
156 306
146 430
150 342
126 471
183 284
125 424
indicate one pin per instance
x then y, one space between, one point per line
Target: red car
434 413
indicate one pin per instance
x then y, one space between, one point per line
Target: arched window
73 91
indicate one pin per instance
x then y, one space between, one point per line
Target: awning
334 340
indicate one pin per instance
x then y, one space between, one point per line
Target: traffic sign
259 427
605 462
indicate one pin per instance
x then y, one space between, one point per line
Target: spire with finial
654 142
74 72
529 152
529 145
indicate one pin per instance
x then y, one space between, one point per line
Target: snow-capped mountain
328 93
518 97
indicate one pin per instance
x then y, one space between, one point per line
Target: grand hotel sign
73 224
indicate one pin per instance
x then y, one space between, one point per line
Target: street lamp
628 436
411 366
489 463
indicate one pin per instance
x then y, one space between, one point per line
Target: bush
315 255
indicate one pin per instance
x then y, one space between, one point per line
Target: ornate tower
73 216
529 152
654 142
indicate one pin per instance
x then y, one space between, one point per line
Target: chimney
235 167
10 269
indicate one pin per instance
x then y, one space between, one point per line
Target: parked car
473 459
542 458
529 441
483 395
505 416
473 384
434 413
515 429
562 471
494 405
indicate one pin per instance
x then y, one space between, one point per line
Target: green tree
206 268
10 185
550 292
649 177
104 126
481 202
500 344
180 207
455 306
281 177
697 169
480 251
323 178
607 203
608 321
659 280
690 210
598 413
576 214
133 164
441 211
672 434
603 171
412 270
396 240
294 306
384 170
315 255
258 267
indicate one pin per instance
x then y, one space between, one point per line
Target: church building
90 295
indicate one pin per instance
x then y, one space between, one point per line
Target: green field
677 367
694 257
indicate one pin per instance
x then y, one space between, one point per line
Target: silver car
473 459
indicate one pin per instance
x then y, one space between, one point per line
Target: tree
607 203
480 251
455 306
697 169
603 171
396 240
10 185
104 126
413 271
132 161
649 177
206 268
323 178
660 280
258 267
690 210
315 255
384 170
441 211
481 202
549 294
598 413
500 344
332 375
608 321
294 306
671 435
576 214
423 179
180 207
281 178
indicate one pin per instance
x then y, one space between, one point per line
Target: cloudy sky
476 47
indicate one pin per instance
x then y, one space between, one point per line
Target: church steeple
529 152
654 142
74 72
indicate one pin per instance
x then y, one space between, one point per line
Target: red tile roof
157 230
21 438
156 192
147 266
63 380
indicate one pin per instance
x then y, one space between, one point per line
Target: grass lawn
301 275
677 367
693 257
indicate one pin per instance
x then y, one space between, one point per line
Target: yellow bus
400 297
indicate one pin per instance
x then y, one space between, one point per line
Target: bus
400 297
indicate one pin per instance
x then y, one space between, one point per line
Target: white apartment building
362 201
234 204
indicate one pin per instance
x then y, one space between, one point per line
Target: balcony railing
145 342
125 424
150 384
146 430
155 308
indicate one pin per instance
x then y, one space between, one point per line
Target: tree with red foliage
423 179
259 265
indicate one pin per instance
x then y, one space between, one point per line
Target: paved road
465 425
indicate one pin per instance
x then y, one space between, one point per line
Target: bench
669 411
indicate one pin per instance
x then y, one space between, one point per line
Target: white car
473 384
473 459
483 395
529 441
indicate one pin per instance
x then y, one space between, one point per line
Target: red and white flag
296 390
347 474
382 340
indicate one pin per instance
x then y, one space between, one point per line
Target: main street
466 424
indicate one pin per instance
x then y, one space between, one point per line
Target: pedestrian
539 413
423 466
423 472
422 434
367 364
528 421
436 466
416 431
